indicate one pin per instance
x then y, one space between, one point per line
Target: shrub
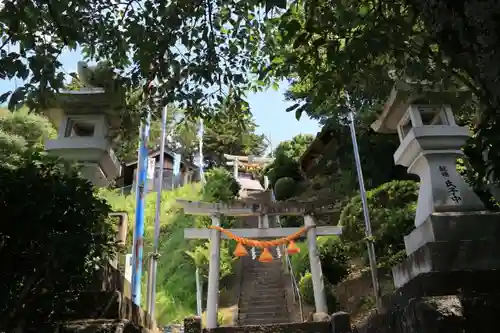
334 259
290 221
392 208
55 234
307 292
220 186
306 288
285 188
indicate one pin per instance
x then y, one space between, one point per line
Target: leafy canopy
200 51
287 155
346 55
20 134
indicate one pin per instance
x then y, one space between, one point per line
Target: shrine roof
313 159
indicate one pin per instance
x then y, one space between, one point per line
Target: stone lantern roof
403 94
86 101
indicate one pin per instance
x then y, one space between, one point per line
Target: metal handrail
295 285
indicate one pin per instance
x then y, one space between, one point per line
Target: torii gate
236 161
241 210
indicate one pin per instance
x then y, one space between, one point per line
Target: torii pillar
315 263
213 274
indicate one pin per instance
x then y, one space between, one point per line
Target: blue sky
267 107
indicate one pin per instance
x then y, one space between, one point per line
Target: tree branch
8 39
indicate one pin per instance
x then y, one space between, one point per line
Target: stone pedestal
449 281
454 226
438 314
451 242
449 256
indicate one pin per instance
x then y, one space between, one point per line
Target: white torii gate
236 161
216 210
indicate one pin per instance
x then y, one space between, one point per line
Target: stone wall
446 302
438 314
105 307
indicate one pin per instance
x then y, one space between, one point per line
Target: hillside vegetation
176 288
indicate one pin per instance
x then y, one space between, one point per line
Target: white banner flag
151 168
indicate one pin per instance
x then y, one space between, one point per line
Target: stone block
307 327
101 326
341 322
192 325
447 257
434 315
321 316
454 226
439 314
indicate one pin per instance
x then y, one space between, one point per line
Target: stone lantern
452 266
431 143
84 118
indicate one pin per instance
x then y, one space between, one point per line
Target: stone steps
265 320
99 326
269 306
262 293
262 297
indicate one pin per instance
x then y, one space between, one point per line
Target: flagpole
368 228
155 255
200 148
137 253
199 285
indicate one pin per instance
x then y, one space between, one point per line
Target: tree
203 52
223 134
466 31
196 49
48 210
48 207
21 133
346 55
226 135
220 186
376 155
335 50
287 155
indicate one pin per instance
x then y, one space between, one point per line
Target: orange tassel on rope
266 256
240 250
292 248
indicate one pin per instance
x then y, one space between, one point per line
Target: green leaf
293 107
298 114
16 99
4 96
363 10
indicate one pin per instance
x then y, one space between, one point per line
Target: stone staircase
262 299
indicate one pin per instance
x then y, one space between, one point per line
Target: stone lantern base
448 242
450 280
